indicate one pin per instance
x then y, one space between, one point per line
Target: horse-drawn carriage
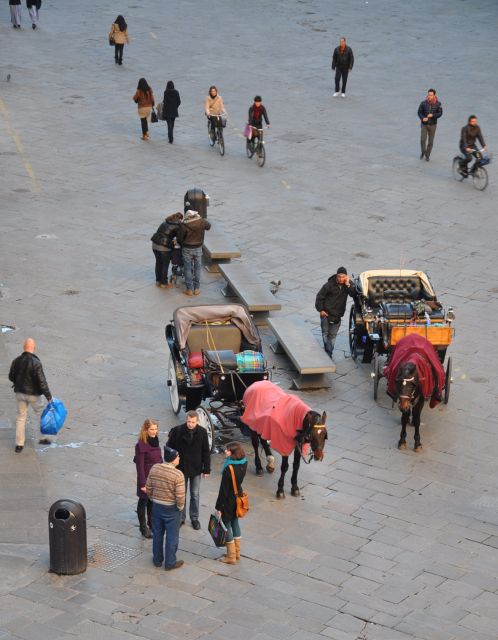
215 354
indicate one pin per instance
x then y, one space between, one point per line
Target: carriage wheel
447 382
172 383
204 420
376 374
353 338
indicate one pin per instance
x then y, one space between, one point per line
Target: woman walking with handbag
233 474
119 36
147 454
171 102
145 101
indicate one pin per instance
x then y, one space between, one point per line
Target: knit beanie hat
170 454
342 270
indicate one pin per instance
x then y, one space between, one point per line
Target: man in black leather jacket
29 382
331 304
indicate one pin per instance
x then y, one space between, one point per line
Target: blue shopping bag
53 417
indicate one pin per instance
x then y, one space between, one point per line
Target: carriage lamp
450 315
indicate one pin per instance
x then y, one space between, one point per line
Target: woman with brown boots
226 503
147 454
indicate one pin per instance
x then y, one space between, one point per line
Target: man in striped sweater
165 486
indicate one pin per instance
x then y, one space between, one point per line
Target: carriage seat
225 359
411 289
216 336
397 310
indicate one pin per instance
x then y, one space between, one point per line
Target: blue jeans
165 520
329 333
233 528
192 254
195 485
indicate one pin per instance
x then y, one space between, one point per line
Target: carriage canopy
391 273
236 314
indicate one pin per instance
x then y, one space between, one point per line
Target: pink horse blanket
274 414
431 375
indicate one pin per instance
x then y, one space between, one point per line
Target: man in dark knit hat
331 305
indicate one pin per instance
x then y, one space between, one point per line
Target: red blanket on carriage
274 414
431 375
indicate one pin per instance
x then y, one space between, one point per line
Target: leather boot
237 548
144 529
149 514
230 556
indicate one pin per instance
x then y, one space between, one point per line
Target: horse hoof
259 472
402 445
270 464
418 448
280 495
295 492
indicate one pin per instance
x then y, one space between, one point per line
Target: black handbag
153 116
111 40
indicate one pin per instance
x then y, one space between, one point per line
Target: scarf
257 112
230 461
154 442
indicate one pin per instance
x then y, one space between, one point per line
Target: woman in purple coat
147 454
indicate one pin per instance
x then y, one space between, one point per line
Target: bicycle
256 146
215 132
477 170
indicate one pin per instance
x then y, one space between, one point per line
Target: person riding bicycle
468 136
213 106
257 112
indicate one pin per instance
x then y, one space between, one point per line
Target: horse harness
300 443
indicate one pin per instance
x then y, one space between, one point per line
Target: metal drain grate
108 556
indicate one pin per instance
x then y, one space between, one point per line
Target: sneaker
188 292
343 95
33 26
19 448
177 565
336 94
44 441
196 525
196 292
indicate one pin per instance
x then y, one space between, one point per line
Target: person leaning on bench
191 237
331 305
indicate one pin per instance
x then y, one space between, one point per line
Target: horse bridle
412 398
299 445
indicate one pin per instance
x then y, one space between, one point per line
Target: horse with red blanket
414 374
288 423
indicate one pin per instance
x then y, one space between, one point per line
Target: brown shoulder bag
241 497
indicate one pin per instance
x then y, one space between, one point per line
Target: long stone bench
295 339
242 282
218 248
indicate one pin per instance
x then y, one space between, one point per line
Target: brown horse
410 402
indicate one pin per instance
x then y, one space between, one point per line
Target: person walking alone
15 13
145 101
429 112
165 486
119 33
191 238
162 244
331 304
236 462
191 442
342 64
147 454
171 102
27 376
34 7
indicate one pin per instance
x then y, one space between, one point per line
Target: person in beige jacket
144 99
119 34
213 106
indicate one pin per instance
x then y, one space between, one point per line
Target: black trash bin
67 537
196 200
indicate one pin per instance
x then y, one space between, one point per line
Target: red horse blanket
274 414
431 375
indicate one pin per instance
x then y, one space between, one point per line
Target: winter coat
33 3
469 135
14 3
195 456
120 37
343 59
332 298
165 234
144 99
146 456
191 233
171 102
26 374
214 106
226 497
264 115
426 107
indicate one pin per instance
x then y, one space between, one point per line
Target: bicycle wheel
249 149
221 142
456 169
211 136
480 178
261 155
